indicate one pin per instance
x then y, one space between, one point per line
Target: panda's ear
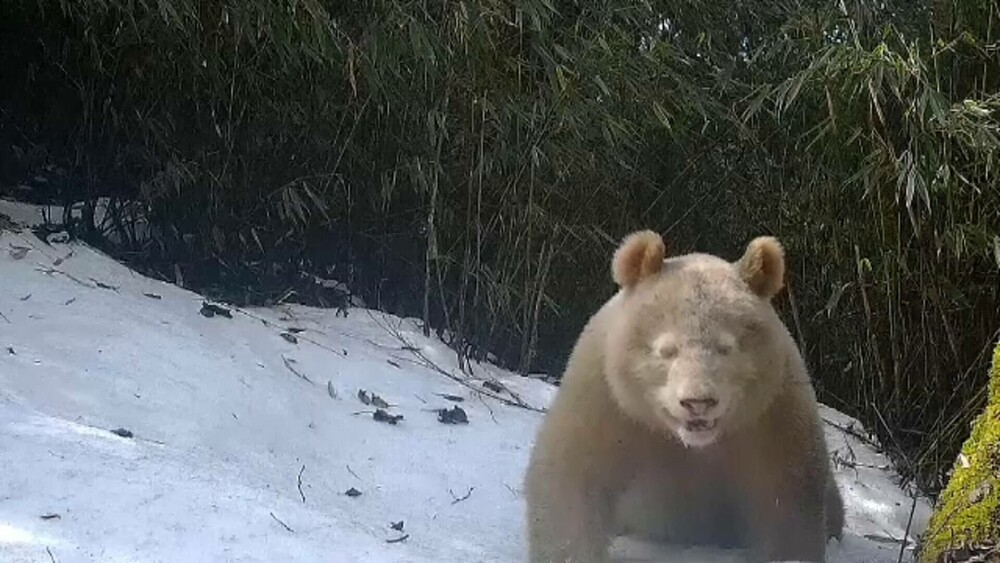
762 266
639 256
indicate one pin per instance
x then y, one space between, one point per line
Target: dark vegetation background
475 162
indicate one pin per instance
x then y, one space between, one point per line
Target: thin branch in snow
102 285
887 538
399 539
906 533
283 525
269 324
514 401
301 494
49 271
4 317
288 364
404 348
351 471
853 432
51 557
457 499
488 408
62 259
511 489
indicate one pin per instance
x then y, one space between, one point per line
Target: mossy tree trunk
966 521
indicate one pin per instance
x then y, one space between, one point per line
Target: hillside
139 426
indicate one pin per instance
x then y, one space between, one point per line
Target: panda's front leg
787 523
569 520
784 489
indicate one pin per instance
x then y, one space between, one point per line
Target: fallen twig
456 499
511 489
399 539
351 471
49 271
405 348
288 364
62 259
104 285
853 432
51 557
450 397
495 386
852 463
301 494
488 408
877 538
270 324
283 525
514 401
906 533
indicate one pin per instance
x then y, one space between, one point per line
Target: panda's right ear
762 266
639 256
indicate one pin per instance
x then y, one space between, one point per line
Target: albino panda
685 415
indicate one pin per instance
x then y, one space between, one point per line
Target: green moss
968 512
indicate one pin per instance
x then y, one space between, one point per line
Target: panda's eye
665 346
725 344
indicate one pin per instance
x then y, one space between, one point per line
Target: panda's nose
699 406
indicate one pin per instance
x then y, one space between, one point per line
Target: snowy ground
245 444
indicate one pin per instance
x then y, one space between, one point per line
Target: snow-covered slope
244 444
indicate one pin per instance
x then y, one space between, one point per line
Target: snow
237 456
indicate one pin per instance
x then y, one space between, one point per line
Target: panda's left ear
639 257
762 266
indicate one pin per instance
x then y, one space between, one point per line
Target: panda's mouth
700 425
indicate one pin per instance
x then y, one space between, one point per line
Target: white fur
685 414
